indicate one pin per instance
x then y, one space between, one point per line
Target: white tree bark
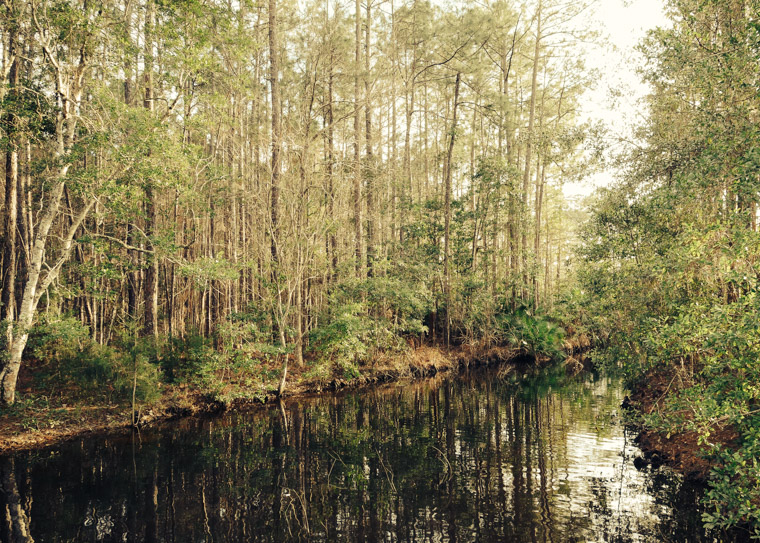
68 88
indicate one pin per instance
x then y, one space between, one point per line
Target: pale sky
624 23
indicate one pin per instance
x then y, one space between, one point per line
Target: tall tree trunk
447 212
393 149
274 81
128 57
333 242
371 170
150 287
299 320
10 218
358 226
25 218
529 148
302 217
511 267
540 181
406 191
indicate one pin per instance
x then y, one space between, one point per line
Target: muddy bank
31 427
680 451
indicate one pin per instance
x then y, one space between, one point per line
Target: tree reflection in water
15 512
476 459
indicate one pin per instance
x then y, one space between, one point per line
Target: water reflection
479 459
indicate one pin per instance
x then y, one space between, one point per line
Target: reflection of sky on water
478 459
590 469
596 462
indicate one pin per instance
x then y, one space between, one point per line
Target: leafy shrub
134 368
474 310
346 339
52 341
394 303
537 336
734 494
71 364
184 358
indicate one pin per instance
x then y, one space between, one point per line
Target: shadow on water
482 458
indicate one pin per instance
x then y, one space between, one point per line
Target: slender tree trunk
274 80
540 180
25 218
393 150
127 57
358 226
511 267
133 275
299 320
302 217
409 104
529 148
213 285
371 170
330 174
447 212
150 287
10 218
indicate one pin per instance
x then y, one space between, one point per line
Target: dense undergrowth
243 359
691 318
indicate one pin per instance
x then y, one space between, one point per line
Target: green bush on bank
345 340
68 362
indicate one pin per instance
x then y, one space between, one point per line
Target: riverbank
681 451
36 422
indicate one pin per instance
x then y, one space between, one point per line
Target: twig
663 394
445 462
388 473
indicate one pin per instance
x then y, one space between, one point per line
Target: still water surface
480 458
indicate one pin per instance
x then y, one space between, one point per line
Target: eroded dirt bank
679 451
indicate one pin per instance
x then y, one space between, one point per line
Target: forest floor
679 451
38 421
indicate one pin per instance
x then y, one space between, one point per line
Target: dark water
477 459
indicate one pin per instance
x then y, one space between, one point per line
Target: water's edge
116 420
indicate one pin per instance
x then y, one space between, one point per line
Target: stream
482 457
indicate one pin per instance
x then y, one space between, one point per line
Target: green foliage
537 336
475 311
732 498
228 366
70 364
397 300
686 305
346 339
135 367
243 347
54 341
184 358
